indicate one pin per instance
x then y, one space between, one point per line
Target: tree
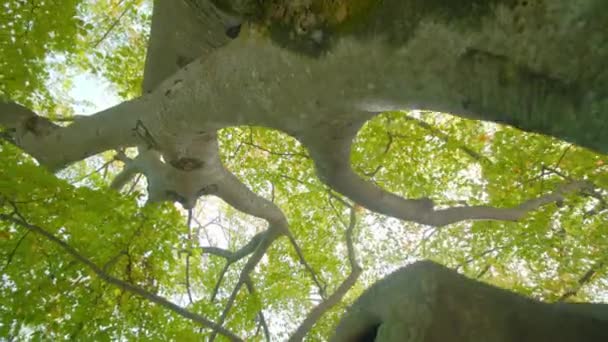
318 71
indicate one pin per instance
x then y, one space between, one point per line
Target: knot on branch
39 126
187 164
142 132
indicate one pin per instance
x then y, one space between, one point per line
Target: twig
320 284
113 260
336 211
188 253
112 27
480 255
281 154
10 256
582 281
384 153
561 157
216 288
261 318
446 138
425 238
102 167
134 184
308 184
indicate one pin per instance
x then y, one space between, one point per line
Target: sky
92 94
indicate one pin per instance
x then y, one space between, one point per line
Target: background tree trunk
426 302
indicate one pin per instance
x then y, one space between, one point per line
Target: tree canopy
286 236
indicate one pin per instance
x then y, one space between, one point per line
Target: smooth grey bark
503 63
426 302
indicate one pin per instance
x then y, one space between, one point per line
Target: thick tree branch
55 146
497 70
333 166
201 31
235 193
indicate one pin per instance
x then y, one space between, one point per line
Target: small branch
329 191
242 252
253 261
282 154
315 314
272 192
232 257
483 271
102 167
123 285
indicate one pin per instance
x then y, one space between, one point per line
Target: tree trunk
426 302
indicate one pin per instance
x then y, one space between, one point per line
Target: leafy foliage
31 31
47 294
117 44
41 284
